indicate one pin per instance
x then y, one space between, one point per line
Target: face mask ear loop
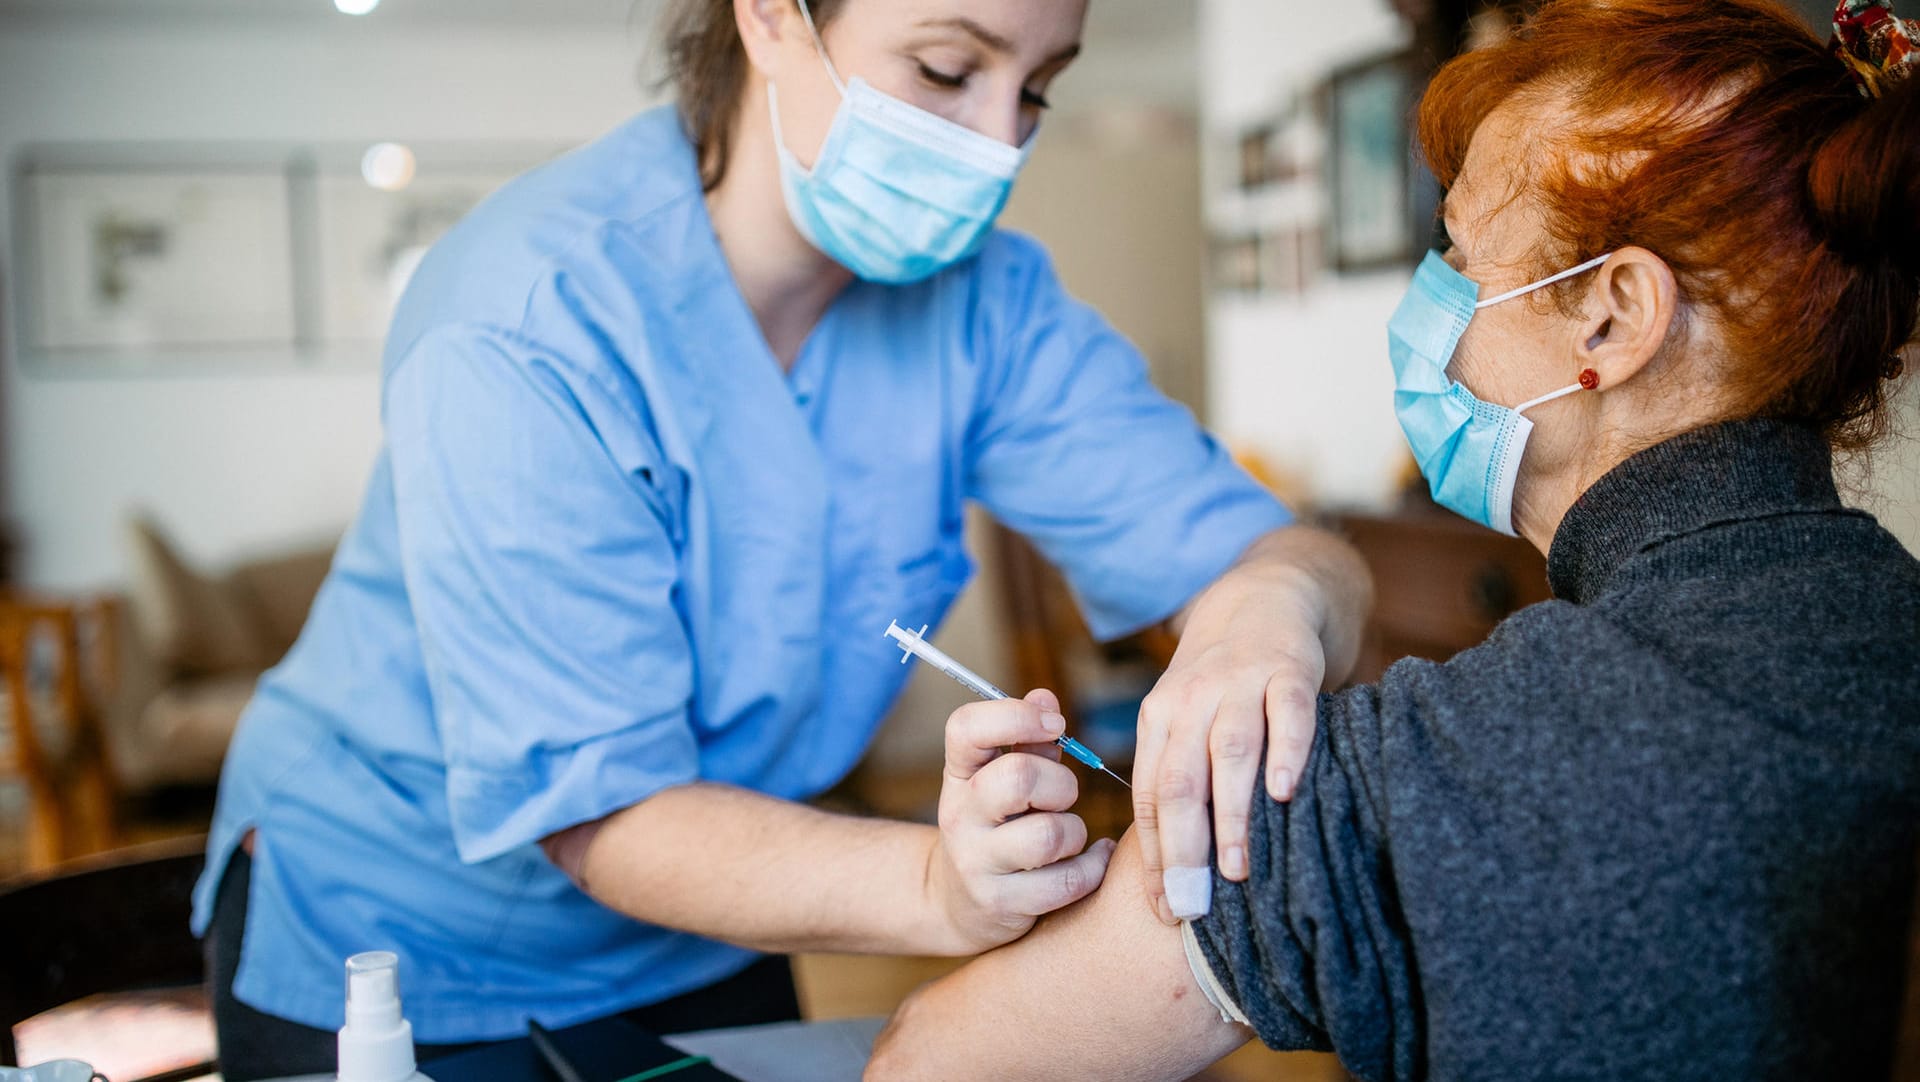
820 46
1549 396
1543 283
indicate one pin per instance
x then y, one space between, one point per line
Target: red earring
1589 379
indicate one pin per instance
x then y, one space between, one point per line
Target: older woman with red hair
1663 826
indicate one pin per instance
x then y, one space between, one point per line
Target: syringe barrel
939 659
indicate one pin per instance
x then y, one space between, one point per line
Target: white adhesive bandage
1189 891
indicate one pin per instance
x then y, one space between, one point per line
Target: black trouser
255 1045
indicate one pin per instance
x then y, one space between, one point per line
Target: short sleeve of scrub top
541 579
1073 447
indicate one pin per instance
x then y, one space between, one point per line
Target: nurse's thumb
1044 699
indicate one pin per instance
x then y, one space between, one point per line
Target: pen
550 1053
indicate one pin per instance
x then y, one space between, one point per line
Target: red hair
1723 137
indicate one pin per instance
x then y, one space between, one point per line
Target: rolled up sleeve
1073 447
1312 947
542 578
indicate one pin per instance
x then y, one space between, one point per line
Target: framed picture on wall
160 257
1237 264
155 259
1256 157
1371 222
369 240
1280 263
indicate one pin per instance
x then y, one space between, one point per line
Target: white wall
1305 382
1117 202
1301 381
233 461
1888 482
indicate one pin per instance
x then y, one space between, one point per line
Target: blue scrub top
611 547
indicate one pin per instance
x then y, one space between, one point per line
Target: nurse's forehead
1048 28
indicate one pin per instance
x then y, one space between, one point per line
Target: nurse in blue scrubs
674 426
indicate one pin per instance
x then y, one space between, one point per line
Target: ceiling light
355 7
387 166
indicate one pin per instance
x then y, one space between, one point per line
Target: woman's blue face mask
897 194
1468 450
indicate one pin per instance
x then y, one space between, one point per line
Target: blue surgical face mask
1468 450
897 194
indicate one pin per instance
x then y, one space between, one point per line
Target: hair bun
1864 181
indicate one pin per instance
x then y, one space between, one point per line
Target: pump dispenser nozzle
376 1044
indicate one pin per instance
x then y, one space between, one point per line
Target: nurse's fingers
1048 750
1017 783
1035 841
1150 740
1043 890
977 732
1233 749
1047 889
1045 700
1181 790
1293 712
1176 706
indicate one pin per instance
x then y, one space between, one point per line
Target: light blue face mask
897 194
1468 450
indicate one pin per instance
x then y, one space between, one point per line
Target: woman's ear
1631 309
767 29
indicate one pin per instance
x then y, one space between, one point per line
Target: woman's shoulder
1817 648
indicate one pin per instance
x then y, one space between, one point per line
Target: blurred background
211 204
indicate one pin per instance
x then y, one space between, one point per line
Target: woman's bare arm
1099 990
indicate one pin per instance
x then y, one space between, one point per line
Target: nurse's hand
1009 849
1256 649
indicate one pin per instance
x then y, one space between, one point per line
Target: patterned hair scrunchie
1878 47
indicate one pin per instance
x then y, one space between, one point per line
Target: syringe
913 644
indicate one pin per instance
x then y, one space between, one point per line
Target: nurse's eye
940 78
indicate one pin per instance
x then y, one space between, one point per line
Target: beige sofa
191 647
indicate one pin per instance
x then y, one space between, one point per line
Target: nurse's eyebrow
996 42
986 37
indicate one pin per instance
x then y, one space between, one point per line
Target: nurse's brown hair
1725 138
707 65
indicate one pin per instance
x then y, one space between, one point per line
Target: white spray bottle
376 1044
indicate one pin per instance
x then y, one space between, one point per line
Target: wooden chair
57 664
1440 583
115 922
1046 634
1906 1053
1044 626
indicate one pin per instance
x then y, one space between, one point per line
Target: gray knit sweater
1662 827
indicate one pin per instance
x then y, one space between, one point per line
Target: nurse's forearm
765 873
